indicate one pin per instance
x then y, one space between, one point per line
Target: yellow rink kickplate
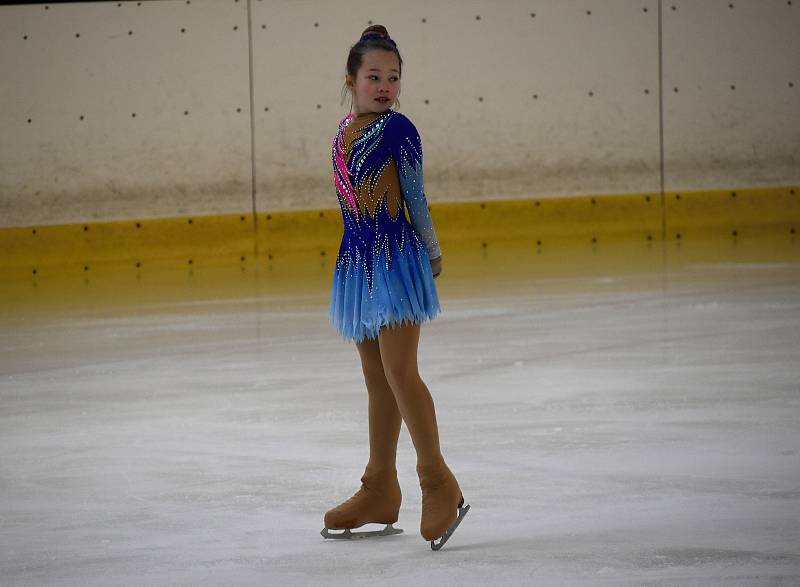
313 236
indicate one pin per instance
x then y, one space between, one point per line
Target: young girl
383 290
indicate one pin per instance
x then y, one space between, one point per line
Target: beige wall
484 135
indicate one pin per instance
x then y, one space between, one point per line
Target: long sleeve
405 147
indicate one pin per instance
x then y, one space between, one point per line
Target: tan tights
396 390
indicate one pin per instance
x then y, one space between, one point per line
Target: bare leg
398 351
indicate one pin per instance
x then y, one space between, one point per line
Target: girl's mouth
382 99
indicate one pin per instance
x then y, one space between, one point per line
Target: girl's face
377 83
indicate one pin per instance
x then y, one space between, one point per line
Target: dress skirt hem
402 292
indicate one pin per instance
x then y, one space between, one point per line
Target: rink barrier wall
298 236
94 128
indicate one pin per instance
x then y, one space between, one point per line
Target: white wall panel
58 168
735 117
471 71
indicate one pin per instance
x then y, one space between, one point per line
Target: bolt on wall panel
731 94
123 110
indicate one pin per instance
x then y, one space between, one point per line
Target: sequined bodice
373 172
377 171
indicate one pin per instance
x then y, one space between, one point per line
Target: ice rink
625 417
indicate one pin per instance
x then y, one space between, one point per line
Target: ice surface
606 430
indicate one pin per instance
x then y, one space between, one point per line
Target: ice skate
442 504
377 501
462 511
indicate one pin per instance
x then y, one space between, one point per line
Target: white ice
605 429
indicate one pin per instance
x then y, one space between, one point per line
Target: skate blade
462 511
350 535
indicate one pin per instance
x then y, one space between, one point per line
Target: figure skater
383 290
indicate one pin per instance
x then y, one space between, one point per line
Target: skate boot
377 501
442 503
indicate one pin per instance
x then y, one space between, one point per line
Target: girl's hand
436 266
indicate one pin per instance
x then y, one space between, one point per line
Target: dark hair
356 56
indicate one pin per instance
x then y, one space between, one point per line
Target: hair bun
377 33
376 28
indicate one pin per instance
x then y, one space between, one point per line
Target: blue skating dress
383 274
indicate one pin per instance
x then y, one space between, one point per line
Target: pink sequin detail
342 179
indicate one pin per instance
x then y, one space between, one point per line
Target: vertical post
252 129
